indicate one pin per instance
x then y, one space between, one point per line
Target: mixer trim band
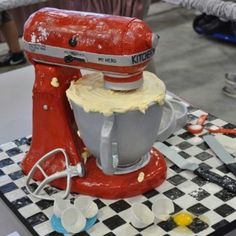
82 56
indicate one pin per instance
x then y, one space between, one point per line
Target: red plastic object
97 184
222 131
197 128
54 126
201 120
80 32
53 121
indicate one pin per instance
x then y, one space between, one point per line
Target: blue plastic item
57 226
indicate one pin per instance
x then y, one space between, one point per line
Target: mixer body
58 43
121 47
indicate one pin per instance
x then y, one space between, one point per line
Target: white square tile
125 229
210 217
5 179
15 194
231 217
8 146
105 212
212 202
3 156
185 201
98 229
194 150
29 210
11 168
44 228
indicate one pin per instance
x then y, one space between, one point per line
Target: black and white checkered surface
212 206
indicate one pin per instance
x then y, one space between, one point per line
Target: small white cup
141 216
60 205
162 208
87 206
73 220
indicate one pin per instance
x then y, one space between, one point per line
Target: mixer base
97 184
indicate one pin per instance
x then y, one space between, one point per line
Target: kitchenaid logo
139 58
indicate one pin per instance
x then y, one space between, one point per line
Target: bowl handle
166 131
108 149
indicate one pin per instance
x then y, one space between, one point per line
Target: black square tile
119 206
203 156
203 146
22 141
148 204
177 208
33 187
176 179
205 166
191 117
224 210
211 117
14 151
184 145
72 200
174 193
167 144
1 150
198 209
44 204
99 203
114 222
110 234
185 155
37 218
1 173
21 202
176 168
54 233
140 229
6 162
198 225
199 194
186 135
220 224
208 125
199 181
151 193
8 187
83 233
223 169
225 195
16 175
167 225
229 126
50 190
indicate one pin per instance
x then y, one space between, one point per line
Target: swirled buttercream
89 93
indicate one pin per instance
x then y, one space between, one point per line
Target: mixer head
120 47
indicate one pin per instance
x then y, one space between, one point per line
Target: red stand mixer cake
59 43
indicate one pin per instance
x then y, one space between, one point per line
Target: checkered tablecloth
212 206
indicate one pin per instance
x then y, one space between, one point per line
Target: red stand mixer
59 43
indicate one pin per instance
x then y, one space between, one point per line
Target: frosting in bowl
89 93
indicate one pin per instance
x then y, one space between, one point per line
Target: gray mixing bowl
120 140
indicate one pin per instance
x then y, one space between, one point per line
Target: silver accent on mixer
69 172
123 86
82 56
